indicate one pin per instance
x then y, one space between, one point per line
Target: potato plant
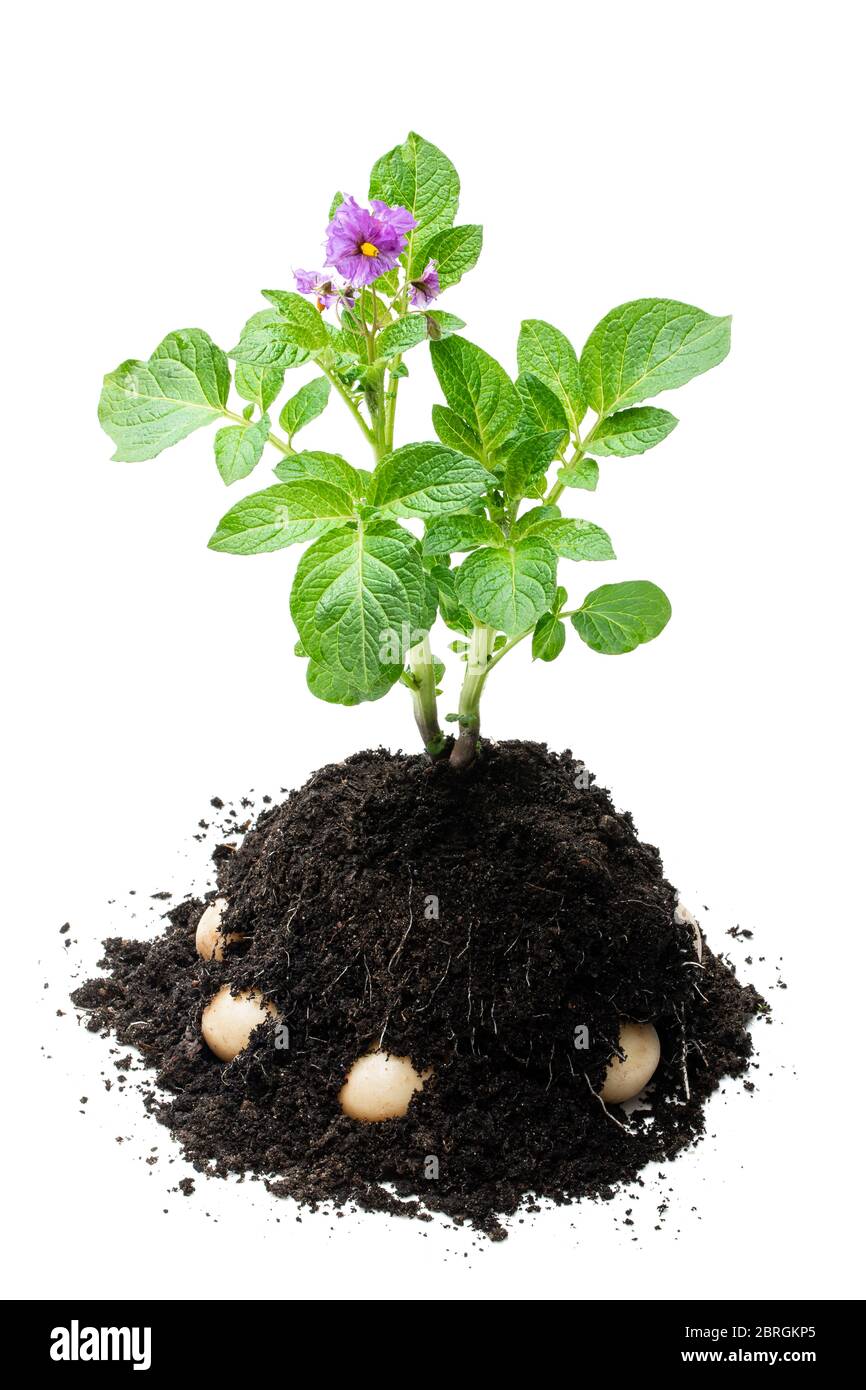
489 489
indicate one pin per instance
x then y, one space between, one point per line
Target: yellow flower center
368 249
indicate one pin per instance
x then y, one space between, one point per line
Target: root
684 1057
439 982
614 1121
466 947
405 936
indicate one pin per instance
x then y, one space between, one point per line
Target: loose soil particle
474 922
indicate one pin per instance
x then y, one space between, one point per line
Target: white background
165 161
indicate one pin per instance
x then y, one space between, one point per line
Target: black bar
224 1335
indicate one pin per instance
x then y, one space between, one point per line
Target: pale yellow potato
684 918
210 942
229 1020
380 1086
639 1043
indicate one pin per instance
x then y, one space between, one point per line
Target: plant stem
424 697
400 304
272 438
380 423
375 389
554 495
481 662
382 404
391 404
478 665
341 390
579 450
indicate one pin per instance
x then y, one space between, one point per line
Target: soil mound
495 926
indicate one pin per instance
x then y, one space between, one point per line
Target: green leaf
648 346
529 459
456 433
147 406
630 432
460 533
418 176
347 342
583 473
302 317
305 406
455 251
238 449
454 614
281 516
335 689
282 337
358 591
478 390
441 324
573 539
327 468
531 520
401 335
261 385
541 406
546 352
407 332
427 480
337 200
618 617
548 639
509 587
267 341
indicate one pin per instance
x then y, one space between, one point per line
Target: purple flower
362 244
399 219
307 281
426 289
326 290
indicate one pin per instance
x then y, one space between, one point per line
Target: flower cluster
362 244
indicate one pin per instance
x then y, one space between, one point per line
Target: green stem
341 390
481 662
424 698
478 666
278 443
378 416
558 488
391 404
401 304
375 388
521 637
381 423
554 495
509 646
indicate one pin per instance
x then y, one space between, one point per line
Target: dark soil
470 921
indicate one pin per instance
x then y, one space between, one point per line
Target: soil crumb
495 926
